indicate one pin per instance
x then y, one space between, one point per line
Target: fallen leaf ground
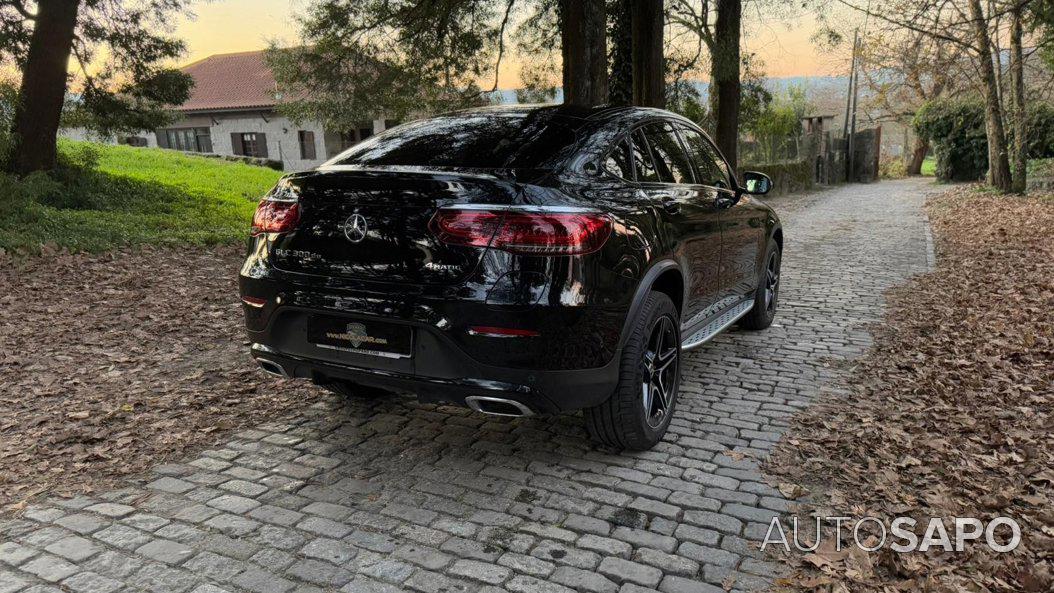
950 415
110 364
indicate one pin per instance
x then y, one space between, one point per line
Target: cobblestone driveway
396 496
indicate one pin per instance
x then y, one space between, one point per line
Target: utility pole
852 126
850 107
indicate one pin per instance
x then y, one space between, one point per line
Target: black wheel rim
772 282
659 371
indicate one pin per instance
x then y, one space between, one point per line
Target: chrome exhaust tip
497 406
272 367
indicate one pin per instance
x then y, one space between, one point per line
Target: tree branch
501 43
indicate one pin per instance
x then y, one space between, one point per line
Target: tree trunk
1017 90
918 154
998 161
724 78
43 89
649 66
583 31
620 35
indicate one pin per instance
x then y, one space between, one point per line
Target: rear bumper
576 307
541 392
570 365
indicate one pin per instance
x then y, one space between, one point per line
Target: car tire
352 390
766 297
632 418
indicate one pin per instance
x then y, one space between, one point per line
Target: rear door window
670 159
642 161
711 167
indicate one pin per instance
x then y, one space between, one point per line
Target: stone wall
787 178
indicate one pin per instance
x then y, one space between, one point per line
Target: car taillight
275 216
523 232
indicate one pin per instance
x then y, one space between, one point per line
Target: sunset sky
225 26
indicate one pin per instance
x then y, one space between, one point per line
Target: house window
203 139
307 145
252 144
185 139
249 145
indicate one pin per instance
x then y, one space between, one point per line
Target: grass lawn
111 196
929 167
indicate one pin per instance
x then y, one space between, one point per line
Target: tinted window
670 158
712 168
502 140
618 161
642 161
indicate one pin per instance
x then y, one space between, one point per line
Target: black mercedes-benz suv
516 260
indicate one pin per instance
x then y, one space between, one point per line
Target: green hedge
956 130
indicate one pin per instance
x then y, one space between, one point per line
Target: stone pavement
396 496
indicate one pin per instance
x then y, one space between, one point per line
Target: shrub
892 168
1041 131
956 129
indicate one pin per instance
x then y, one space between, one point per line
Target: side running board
708 331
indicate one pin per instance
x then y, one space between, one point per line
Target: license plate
374 338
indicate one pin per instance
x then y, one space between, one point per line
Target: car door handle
671 206
726 201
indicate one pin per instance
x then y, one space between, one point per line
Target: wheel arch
664 276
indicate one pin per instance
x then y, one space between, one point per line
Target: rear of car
445 258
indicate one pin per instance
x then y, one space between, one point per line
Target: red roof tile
230 81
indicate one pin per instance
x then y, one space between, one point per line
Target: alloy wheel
772 282
659 371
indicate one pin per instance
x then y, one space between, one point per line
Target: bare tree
904 69
724 76
718 27
584 36
1018 113
973 27
649 67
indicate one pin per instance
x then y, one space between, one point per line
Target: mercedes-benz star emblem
355 228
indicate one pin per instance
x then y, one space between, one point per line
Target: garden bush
956 130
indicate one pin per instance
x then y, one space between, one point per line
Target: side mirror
755 183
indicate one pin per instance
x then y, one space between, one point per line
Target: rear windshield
532 140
